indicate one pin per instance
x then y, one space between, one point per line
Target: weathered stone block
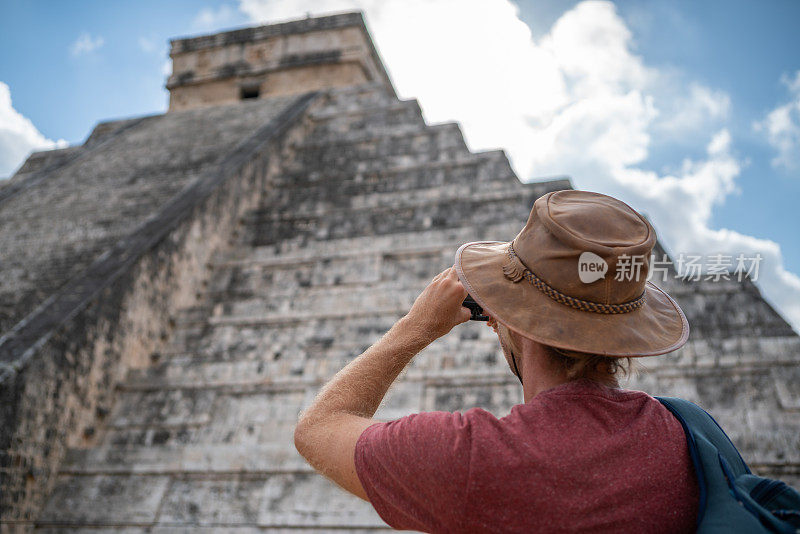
309 500
105 499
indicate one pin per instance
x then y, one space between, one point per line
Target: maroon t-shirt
578 457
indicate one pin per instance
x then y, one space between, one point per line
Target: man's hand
438 308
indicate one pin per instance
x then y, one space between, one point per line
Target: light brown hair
578 364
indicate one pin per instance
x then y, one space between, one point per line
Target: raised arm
327 431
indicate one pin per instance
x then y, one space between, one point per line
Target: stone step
441 375
352 264
377 290
164 409
276 335
303 230
291 500
245 414
249 277
240 332
251 302
723 308
731 313
382 280
199 459
445 134
247 422
291 205
192 314
375 119
268 340
310 360
366 166
354 150
103 500
316 193
258 349
385 283
224 330
480 167
399 243
232 281
253 426
449 375
354 98
745 402
744 350
430 144
131 198
325 300
259 415
331 111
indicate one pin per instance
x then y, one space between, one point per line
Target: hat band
515 270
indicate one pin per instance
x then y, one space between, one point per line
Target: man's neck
534 381
539 374
534 385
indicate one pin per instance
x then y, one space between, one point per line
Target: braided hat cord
515 270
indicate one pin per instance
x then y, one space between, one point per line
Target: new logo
591 267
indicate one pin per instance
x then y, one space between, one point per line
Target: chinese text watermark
690 267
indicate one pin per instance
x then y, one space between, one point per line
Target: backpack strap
702 424
717 463
726 496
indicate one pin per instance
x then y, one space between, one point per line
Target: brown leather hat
576 278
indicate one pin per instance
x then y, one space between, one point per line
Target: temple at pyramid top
277 59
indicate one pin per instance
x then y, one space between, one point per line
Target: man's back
580 456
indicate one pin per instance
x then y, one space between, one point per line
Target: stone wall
279 59
55 392
62 210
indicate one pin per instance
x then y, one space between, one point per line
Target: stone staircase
98 192
361 214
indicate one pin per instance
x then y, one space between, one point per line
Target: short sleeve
415 470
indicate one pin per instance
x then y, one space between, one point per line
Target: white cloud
577 101
148 46
782 127
86 44
684 114
158 50
154 47
215 19
18 135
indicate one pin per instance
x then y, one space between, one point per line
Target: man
580 454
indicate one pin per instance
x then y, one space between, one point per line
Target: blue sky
70 65
743 48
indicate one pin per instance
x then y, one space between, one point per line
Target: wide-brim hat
575 278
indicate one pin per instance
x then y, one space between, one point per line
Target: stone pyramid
176 290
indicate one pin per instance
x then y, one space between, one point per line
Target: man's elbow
301 437
304 439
